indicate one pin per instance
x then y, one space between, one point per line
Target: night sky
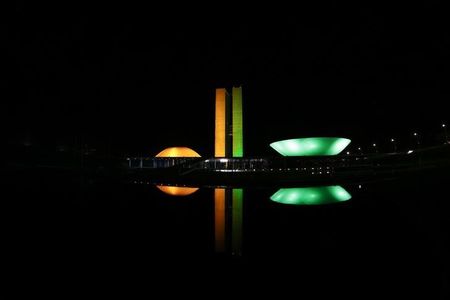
140 79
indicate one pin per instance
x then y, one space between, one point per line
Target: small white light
392 140
223 159
410 151
443 125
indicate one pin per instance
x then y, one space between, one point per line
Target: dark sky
143 78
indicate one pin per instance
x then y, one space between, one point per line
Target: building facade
229 138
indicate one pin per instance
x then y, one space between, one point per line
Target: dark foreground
74 233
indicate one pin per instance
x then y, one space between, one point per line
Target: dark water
389 239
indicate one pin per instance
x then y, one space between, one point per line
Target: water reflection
177 190
236 222
311 195
228 208
219 219
228 205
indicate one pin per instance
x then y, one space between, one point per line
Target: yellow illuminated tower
229 123
219 149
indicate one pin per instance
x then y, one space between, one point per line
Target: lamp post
445 133
375 147
416 136
394 145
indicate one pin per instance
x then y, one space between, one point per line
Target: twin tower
229 140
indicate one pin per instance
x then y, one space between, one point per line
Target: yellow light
178 152
177 190
219 150
219 219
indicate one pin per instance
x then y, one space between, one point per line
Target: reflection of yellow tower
221 198
219 219
226 201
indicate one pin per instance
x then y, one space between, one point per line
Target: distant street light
416 135
394 145
375 147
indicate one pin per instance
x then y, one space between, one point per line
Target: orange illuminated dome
178 152
177 190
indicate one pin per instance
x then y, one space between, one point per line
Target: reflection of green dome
314 146
311 195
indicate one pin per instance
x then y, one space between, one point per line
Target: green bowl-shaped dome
313 146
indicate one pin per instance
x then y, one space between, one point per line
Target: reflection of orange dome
178 152
177 190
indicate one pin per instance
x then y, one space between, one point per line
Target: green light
236 235
238 142
311 195
314 146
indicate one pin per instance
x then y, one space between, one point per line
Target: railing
311 165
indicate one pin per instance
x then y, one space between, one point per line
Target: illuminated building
237 129
229 123
314 146
229 150
178 152
220 128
